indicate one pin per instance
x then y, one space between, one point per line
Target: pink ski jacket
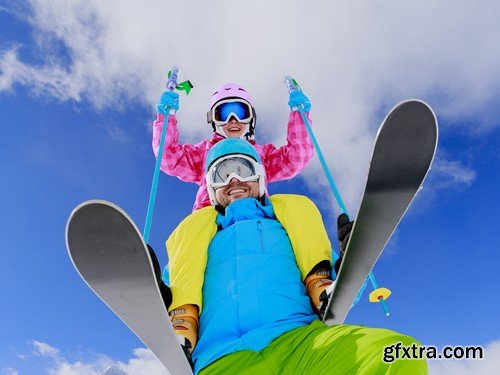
187 162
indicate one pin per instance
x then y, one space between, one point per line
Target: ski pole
379 294
293 86
171 85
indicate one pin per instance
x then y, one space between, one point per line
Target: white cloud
44 349
40 349
487 366
48 359
445 176
118 134
76 368
144 362
353 59
452 173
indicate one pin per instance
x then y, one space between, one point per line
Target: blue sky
78 85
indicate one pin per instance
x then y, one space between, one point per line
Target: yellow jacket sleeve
187 249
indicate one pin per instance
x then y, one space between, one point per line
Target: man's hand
344 227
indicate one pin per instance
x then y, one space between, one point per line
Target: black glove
344 227
165 291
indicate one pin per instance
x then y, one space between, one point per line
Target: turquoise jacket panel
252 290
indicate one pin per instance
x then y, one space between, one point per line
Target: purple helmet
228 91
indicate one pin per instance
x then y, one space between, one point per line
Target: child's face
234 129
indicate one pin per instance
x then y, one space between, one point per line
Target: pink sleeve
287 161
182 161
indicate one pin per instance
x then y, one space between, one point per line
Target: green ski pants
320 349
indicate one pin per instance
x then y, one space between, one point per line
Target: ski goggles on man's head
222 112
241 167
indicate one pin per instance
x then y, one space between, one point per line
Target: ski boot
319 287
184 319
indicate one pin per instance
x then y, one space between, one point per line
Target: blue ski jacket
252 290
187 246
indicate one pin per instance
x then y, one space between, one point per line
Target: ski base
404 149
110 255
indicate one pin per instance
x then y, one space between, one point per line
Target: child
231 115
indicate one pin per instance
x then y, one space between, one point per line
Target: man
248 278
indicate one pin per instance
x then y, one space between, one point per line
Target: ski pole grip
172 80
290 84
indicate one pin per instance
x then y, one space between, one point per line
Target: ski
404 149
110 255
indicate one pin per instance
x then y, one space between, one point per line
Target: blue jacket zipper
259 226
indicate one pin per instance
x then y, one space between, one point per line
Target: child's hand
298 98
168 99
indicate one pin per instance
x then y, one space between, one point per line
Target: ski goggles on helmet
221 112
241 167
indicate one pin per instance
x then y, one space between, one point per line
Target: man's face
236 190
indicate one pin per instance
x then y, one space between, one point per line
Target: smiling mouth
235 191
234 129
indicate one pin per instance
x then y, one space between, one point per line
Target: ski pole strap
171 85
292 86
